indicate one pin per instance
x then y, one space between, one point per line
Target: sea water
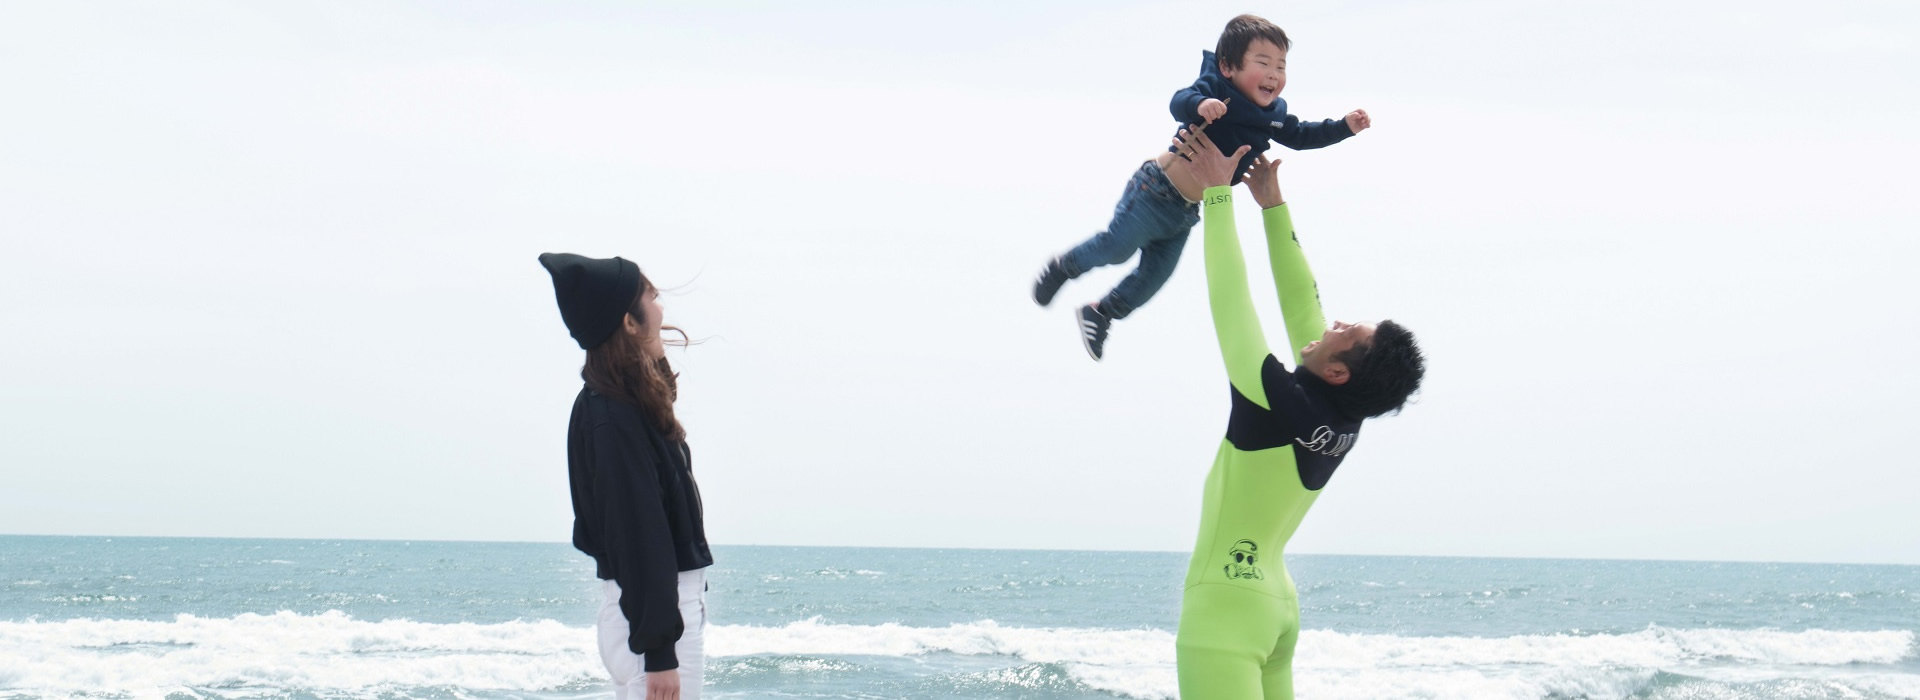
320 619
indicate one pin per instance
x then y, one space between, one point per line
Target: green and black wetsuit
1239 617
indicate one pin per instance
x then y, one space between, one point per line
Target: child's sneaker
1093 330
1048 284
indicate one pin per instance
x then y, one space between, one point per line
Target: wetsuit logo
1326 442
1244 554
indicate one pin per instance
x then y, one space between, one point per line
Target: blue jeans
1151 218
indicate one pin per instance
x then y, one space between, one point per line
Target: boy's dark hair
1382 373
1240 33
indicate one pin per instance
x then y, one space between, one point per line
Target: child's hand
1358 121
1212 109
1264 182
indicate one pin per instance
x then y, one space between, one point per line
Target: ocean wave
1036 644
333 652
1654 647
1139 663
1017 681
84 598
759 667
330 651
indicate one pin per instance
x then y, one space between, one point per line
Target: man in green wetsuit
1288 431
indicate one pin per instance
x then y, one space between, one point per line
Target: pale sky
269 268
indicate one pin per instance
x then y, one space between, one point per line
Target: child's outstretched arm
1186 104
1191 105
1243 346
1303 136
1292 279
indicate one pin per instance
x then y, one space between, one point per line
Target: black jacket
636 511
1248 124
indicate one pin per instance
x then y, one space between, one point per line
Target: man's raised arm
1292 279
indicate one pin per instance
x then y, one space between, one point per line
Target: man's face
1341 337
1262 72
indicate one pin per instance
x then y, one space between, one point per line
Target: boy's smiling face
1262 72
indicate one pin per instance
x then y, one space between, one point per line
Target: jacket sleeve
1242 344
1186 103
1304 136
580 487
639 542
1293 281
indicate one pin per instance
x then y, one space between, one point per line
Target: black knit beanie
594 293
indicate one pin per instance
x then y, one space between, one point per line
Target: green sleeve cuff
1277 218
1217 196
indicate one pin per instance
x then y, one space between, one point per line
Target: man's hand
1264 182
1209 167
1212 109
1358 121
663 685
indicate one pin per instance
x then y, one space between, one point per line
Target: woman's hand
1264 182
663 685
1209 167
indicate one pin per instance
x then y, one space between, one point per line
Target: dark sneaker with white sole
1049 282
1093 329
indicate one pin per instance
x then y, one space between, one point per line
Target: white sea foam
1894 684
333 652
319 652
1653 648
1139 663
1038 644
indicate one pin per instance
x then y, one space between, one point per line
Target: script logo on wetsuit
1326 442
1244 553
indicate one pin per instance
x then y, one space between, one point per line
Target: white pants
628 669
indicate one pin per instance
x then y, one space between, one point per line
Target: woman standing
636 507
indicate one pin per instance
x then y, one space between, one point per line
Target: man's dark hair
1381 373
1240 33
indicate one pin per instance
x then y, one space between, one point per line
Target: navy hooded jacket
1248 124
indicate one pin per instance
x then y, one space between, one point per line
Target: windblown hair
1382 373
1239 36
622 367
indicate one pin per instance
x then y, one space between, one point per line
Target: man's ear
1335 373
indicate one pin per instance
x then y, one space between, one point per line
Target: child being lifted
1237 98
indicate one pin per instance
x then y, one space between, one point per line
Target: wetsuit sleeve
1293 280
640 545
1304 136
1242 345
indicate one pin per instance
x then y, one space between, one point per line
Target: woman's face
648 330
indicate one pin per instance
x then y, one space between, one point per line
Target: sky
268 270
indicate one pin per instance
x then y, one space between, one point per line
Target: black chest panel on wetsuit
1298 416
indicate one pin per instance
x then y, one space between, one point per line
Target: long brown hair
621 368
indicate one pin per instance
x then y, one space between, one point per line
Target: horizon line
409 540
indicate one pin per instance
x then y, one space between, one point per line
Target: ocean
123 617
